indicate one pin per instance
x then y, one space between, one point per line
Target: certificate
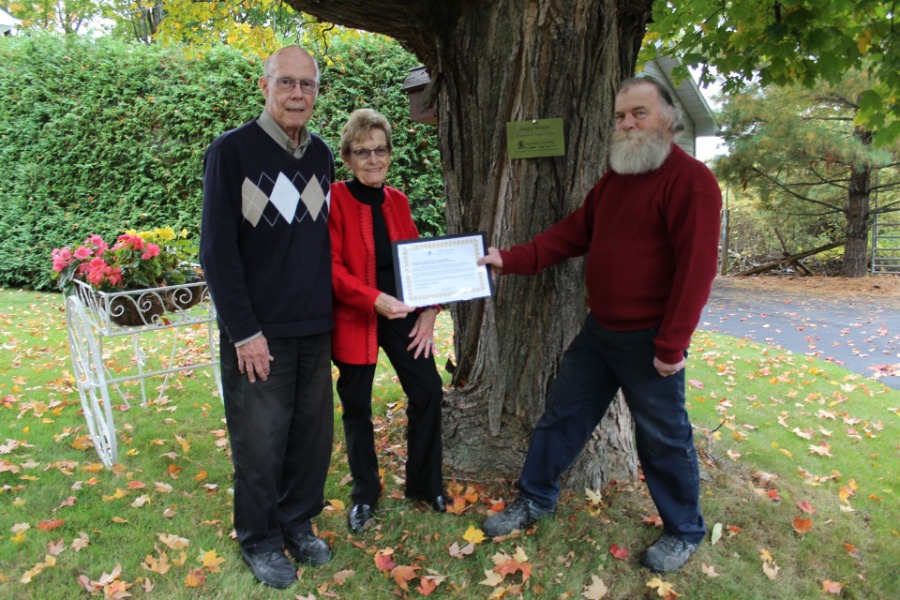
442 269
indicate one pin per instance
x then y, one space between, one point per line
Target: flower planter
136 309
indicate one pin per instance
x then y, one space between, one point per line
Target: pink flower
83 253
97 242
135 242
114 275
152 250
62 258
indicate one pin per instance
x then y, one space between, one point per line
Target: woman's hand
390 308
423 333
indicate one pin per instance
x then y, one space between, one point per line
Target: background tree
802 153
788 42
66 16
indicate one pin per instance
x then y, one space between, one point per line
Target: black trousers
424 390
281 432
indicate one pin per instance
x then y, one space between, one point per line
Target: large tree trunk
492 63
856 250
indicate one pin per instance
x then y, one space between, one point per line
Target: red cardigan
652 248
354 339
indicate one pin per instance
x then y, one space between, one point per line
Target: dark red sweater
652 249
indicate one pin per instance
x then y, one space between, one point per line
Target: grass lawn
801 491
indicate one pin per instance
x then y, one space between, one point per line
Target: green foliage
101 136
368 73
799 155
788 42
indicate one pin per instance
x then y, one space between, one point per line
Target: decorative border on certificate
441 269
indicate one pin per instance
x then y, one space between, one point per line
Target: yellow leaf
211 561
765 555
474 535
337 504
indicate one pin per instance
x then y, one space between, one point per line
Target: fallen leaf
618 553
474 535
594 591
708 570
801 525
211 561
457 552
173 541
832 587
805 506
716 534
403 574
383 561
195 578
491 578
342 576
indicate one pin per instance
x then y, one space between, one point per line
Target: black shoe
668 553
437 503
308 549
272 568
360 517
518 515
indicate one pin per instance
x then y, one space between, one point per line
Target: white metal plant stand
93 317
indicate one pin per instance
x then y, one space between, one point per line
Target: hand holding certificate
441 269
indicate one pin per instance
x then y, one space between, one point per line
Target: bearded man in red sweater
650 230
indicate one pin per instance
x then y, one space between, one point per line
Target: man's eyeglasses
365 153
287 84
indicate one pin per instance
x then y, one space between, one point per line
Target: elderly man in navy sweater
650 230
266 254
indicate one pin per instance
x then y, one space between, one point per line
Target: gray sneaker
518 515
668 553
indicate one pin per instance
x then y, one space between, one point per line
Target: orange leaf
618 553
196 578
136 485
832 587
802 525
457 506
403 575
50 525
426 586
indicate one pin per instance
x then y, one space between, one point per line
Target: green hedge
97 136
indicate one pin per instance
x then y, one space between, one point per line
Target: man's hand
390 308
493 259
665 369
254 358
423 333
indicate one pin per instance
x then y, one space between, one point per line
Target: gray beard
634 152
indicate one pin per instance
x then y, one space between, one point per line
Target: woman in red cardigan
364 218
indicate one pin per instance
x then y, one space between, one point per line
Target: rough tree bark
857 230
491 63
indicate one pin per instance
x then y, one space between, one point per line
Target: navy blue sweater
264 244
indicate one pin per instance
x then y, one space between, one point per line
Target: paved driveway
860 333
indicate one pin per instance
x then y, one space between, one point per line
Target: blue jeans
597 363
281 432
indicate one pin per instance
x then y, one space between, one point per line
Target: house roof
689 97
7 21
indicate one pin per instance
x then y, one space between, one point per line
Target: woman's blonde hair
359 127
